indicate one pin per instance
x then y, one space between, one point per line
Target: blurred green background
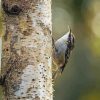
80 79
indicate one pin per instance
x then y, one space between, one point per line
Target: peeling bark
27 48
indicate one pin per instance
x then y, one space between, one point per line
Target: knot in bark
13 10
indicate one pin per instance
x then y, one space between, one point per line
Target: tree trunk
27 50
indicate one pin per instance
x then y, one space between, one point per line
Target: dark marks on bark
45 28
12 10
6 34
12 43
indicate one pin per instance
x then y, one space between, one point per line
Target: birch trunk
26 50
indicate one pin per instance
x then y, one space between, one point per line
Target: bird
61 51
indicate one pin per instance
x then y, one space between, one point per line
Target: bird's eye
70 41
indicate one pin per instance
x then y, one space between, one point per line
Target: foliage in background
80 80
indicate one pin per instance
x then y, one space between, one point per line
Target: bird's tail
56 73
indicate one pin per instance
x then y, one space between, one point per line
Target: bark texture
26 49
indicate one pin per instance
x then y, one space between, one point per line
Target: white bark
27 48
